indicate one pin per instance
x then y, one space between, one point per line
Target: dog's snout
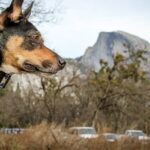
58 64
61 61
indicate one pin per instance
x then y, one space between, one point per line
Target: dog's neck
4 77
1 57
1 48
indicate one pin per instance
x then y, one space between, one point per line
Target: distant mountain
108 45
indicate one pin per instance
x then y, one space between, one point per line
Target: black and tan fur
22 47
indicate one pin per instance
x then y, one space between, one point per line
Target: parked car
12 130
120 136
139 134
84 132
110 137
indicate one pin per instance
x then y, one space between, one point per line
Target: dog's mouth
29 67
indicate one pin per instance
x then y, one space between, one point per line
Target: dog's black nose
61 61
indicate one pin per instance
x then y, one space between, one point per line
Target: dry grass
45 137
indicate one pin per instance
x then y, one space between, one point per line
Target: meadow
52 137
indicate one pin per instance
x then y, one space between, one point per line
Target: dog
22 47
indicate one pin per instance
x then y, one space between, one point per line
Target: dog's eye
36 36
33 35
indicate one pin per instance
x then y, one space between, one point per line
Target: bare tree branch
43 11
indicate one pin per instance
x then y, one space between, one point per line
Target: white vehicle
12 130
139 134
110 137
84 132
120 136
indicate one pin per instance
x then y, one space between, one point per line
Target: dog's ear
15 10
27 12
12 13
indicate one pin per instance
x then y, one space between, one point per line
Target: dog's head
21 45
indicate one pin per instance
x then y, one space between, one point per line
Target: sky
82 21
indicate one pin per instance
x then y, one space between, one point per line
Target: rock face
27 83
108 45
